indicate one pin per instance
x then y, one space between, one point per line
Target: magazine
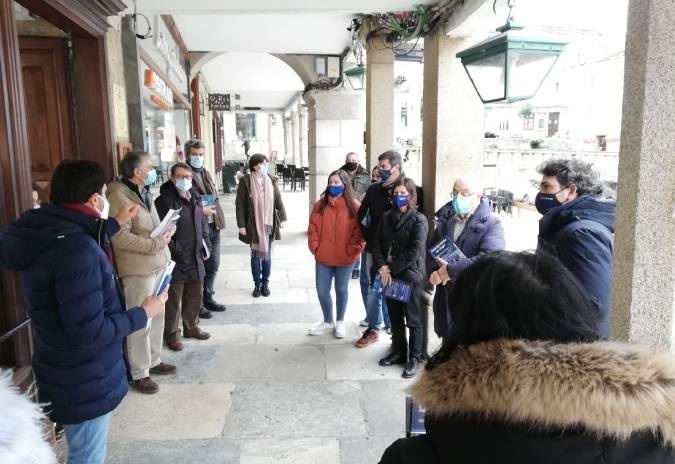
446 250
398 290
170 220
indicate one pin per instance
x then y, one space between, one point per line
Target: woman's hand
242 231
385 275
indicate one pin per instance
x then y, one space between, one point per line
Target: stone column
302 139
452 142
295 125
335 129
379 100
644 261
288 143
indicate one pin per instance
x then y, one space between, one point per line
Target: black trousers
409 315
212 264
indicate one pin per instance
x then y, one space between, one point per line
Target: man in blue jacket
578 227
468 221
75 303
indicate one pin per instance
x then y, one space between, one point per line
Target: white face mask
106 207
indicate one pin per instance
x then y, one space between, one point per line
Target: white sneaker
363 323
340 330
322 328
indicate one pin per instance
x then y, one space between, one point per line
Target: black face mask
351 166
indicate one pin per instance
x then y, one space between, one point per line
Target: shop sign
219 101
168 48
162 93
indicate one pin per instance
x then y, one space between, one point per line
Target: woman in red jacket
335 240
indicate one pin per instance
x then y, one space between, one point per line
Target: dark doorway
553 123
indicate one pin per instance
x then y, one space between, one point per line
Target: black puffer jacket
533 402
400 243
187 244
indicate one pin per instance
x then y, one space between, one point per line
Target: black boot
211 305
410 368
257 291
265 290
205 313
393 358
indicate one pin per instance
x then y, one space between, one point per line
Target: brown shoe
163 369
197 333
175 344
369 337
145 385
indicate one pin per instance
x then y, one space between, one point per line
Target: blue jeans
364 279
324 281
261 269
87 440
376 306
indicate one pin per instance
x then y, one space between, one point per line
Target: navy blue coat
483 233
581 234
77 310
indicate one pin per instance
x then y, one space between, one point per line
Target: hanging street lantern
357 77
512 65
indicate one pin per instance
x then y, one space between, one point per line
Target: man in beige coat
140 261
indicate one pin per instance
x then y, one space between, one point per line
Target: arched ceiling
260 79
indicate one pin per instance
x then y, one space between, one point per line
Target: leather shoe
175 345
392 358
410 368
204 313
265 290
215 307
197 333
163 369
145 385
257 291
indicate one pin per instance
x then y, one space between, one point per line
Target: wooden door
44 67
553 123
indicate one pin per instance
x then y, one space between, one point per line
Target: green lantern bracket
357 77
512 65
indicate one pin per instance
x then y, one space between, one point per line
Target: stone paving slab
297 334
178 411
214 451
272 313
295 410
365 450
346 362
293 451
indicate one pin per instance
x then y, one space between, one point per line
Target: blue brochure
447 251
414 418
398 290
208 200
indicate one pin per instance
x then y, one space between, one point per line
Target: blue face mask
462 204
336 190
197 162
152 177
384 174
545 201
264 169
184 184
401 199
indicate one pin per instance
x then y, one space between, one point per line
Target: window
528 122
541 123
246 125
404 115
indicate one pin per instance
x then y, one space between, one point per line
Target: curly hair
575 172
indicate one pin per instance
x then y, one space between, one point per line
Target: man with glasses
189 249
141 261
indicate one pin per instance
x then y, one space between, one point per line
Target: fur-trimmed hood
609 389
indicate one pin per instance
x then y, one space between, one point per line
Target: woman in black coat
398 248
522 378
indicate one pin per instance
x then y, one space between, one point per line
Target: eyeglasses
187 176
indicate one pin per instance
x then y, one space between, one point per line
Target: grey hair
132 161
192 143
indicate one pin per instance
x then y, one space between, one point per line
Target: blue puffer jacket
483 233
76 307
581 234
